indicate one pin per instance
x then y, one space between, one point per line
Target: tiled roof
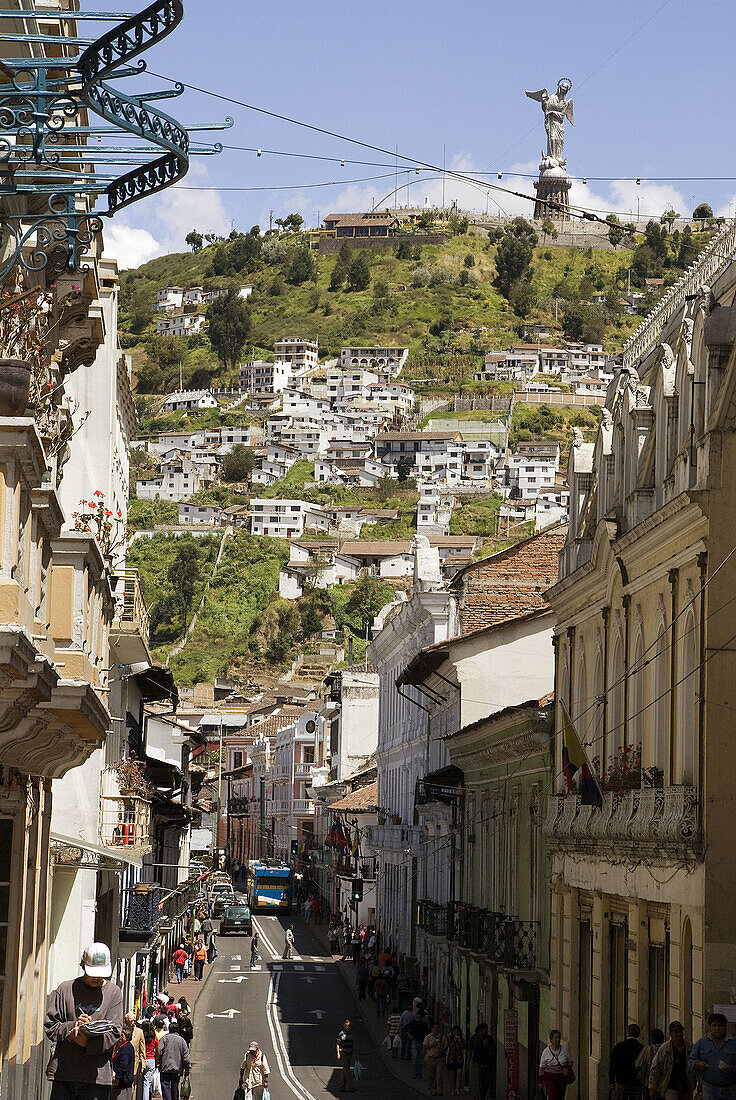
375 217
364 800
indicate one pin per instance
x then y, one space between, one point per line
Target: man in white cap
254 1071
84 1022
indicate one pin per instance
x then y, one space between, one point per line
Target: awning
155 682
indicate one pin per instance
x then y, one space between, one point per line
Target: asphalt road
293 1008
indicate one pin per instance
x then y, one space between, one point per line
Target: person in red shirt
180 957
149 1035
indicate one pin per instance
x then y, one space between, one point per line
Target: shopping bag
357 1069
185 1088
156 1084
397 1042
266 1093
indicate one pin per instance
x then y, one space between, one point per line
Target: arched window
637 714
616 730
687 703
660 708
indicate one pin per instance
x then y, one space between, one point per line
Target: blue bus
269 886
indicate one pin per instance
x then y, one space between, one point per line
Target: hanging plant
24 325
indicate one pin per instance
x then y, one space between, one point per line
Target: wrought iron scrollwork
46 144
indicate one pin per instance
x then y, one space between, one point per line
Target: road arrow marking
228 1014
237 958
228 981
318 1013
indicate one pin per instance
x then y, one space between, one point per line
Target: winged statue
556 109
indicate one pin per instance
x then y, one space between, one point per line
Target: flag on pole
574 759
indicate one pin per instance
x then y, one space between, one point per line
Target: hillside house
200 515
189 400
261 377
180 324
300 353
383 360
283 519
434 456
374 223
170 298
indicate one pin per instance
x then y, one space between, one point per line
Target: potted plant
131 779
24 318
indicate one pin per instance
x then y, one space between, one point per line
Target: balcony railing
125 824
507 941
432 918
396 837
130 607
302 771
303 806
148 907
658 821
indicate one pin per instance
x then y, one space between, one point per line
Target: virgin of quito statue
553 185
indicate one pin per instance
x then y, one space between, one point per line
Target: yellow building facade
643 927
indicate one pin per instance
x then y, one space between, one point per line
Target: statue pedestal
553 195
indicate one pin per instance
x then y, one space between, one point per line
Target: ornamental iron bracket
56 160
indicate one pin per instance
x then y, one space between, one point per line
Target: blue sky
420 73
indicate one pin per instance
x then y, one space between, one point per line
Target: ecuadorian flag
573 760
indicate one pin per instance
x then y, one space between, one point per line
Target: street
293 1008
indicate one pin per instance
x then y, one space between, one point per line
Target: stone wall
328 246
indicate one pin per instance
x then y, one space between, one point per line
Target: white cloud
130 247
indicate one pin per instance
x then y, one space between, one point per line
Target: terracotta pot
15 386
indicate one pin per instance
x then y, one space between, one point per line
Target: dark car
221 901
236 918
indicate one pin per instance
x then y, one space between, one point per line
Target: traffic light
357 891
294 848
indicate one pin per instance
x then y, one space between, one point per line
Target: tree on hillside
337 276
195 240
238 464
513 260
302 268
359 272
183 575
584 322
549 229
615 230
228 326
688 248
366 601
290 224
702 212
403 249
669 218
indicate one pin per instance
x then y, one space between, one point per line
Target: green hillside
463 296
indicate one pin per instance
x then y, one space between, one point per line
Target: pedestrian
123 1066
392 1027
355 946
289 942
200 958
670 1075
445 1018
645 1059
404 1020
317 910
555 1067
186 1028
346 1056
180 959
375 972
161 1026
402 988
331 940
714 1060
481 1062
174 1061
455 1058
433 1054
308 905
380 990
254 950
139 1049
207 930
254 1072
212 948
149 1036
417 1029
623 1076
362 978
347 943
84 1021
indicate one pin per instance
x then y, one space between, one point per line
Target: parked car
196 868
236 918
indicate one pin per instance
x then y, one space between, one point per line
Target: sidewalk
375 1025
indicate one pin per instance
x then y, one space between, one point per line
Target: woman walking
123 1066
555 1067
149 1036
200 958
455 1057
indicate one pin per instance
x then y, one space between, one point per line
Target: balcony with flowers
125 809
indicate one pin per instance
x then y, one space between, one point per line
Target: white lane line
279 1043
259 929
